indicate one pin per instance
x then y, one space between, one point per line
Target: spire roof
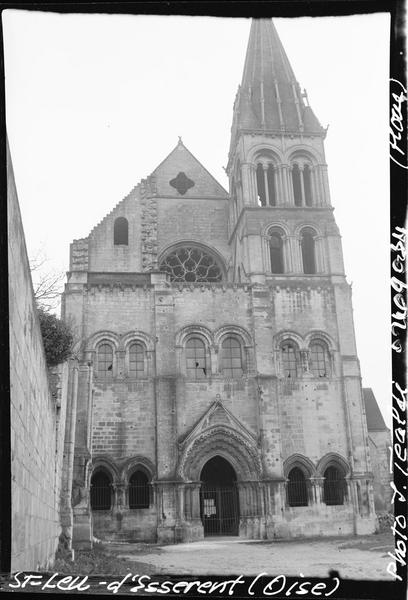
269 97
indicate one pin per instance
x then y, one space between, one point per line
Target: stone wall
144 421
37 418
379 442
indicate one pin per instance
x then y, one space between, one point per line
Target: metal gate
219 510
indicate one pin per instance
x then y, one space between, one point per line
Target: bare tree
47 282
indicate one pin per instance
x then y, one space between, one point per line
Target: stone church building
219 390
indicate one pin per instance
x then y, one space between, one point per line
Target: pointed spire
269 97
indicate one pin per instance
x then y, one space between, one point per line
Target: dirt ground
362 557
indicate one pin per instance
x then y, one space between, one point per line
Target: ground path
353 557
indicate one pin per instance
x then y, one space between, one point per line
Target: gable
217 415
375 420
181 175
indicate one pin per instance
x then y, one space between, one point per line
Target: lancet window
334 487
302 176
276 252
231 358
136 360
290 360
319 359
101 491
307 244
196 363
121 232
266 184
296 488
104 360
139 490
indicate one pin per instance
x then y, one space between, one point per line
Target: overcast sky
95 102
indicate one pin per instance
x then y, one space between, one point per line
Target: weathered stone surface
37 414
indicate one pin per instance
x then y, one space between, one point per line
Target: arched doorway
219 503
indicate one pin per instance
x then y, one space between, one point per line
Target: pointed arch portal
219 503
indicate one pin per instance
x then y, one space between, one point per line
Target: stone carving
182 183
149 224
191 264
79 255
221 437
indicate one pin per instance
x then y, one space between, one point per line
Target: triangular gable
181 161
375 420
217 414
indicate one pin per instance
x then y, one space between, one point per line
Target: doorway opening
219 502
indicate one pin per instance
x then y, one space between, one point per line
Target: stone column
119 496
320 185
120 364
325 182
265 174
302 185
304 360
247 185
320 254
82 529
193 527
296 254
65 542
317 489
214 355
287 254
167 512
315 195
280 195
290 187
119 503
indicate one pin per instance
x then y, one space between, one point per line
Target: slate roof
375 421
269 97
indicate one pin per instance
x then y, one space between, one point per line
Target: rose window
189 264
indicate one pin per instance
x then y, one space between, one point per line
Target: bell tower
281 219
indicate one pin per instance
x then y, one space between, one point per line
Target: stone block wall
379 443
37 423
144 421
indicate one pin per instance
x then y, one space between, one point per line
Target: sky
95 102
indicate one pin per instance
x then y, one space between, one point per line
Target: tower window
296 488
319 360
139 490
334 486
307 180
136 360
120 231
265 182
196 359
260 182
297 187
105 361
271 185
290 360
231 358
307 243
101 491
276 253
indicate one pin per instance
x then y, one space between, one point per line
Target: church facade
218 390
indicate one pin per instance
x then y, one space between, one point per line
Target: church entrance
219 503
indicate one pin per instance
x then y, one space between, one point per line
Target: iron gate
219 510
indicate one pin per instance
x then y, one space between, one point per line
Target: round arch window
189 264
